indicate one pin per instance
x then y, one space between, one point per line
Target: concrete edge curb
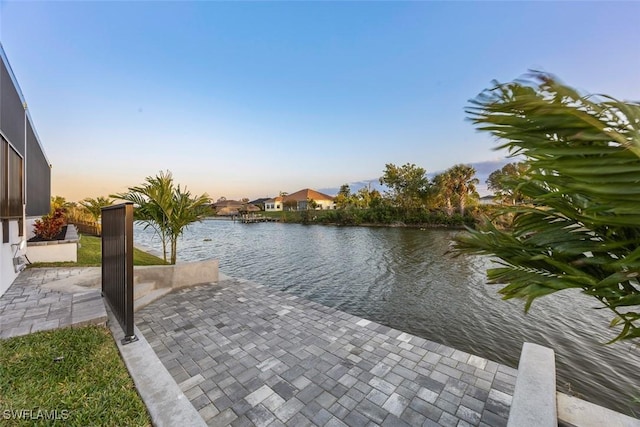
534 397
574 412
166 403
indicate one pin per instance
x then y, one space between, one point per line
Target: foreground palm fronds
580 227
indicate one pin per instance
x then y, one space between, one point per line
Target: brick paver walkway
50 298
248 355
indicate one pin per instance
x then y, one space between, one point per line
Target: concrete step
142 289
149 298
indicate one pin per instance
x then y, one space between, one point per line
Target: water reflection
402 278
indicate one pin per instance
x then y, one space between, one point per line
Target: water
402 278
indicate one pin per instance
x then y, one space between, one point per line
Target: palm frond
581 226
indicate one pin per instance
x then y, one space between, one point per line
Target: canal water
404 278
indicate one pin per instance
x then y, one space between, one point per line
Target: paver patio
50 298
248 355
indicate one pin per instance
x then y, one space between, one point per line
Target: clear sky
246 99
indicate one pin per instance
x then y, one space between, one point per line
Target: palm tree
464 184
444 191
184 210
59 202
582 227
165 208
94 206
456 183
504 183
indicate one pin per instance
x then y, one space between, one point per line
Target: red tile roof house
299 201
25 176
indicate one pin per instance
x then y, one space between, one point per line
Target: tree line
410 197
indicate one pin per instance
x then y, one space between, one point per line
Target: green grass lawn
90 255
73 374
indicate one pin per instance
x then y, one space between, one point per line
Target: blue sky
246 99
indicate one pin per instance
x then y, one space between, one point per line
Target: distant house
25 176
300 200
232 207
273 205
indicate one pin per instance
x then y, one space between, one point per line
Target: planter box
55 250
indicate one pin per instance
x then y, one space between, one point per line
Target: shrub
50 225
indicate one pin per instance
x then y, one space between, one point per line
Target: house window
277 206
11 185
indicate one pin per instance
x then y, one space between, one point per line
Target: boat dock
253 218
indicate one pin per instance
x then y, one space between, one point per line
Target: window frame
11 181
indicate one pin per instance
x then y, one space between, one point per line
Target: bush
50 225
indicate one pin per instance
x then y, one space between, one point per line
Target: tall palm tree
456 183
464 184
444 191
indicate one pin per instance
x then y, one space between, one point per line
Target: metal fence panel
117 264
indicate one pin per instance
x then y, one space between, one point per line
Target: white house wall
29 223
321 205
325 204
277 206
7 273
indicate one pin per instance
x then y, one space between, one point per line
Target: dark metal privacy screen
117 264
